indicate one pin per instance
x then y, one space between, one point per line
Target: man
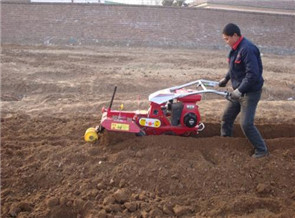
245 73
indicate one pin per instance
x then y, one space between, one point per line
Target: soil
51 95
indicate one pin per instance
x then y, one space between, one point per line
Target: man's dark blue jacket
245 67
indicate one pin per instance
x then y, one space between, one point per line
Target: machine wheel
91 135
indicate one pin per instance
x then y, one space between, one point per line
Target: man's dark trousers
247 106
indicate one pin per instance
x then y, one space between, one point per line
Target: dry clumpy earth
51 95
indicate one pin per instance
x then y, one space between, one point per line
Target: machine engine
190 120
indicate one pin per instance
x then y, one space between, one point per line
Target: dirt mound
48 171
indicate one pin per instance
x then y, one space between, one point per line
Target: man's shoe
260 154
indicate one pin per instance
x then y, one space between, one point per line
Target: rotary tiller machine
172 111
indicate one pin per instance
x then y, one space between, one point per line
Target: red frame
128 121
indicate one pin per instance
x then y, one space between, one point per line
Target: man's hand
236 94
223 82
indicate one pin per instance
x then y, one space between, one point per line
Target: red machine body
172 111
157 119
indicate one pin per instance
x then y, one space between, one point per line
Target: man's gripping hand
223 82
236 94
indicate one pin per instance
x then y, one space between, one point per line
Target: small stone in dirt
112 182
100 186
102 213
142 196
181 210
14 210
69 203
109 200
113 208
144 206
167 210
52 202
243 189
63 201
24 206
88 205
272 182
6 192
131 206
92 193
23 215
78 204
144 214
139 154
121 195
95 214
174 176
262 188
155 212
122 183
134 196
77 192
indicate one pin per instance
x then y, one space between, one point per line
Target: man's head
231 34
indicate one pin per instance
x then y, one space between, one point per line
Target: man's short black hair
230 29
